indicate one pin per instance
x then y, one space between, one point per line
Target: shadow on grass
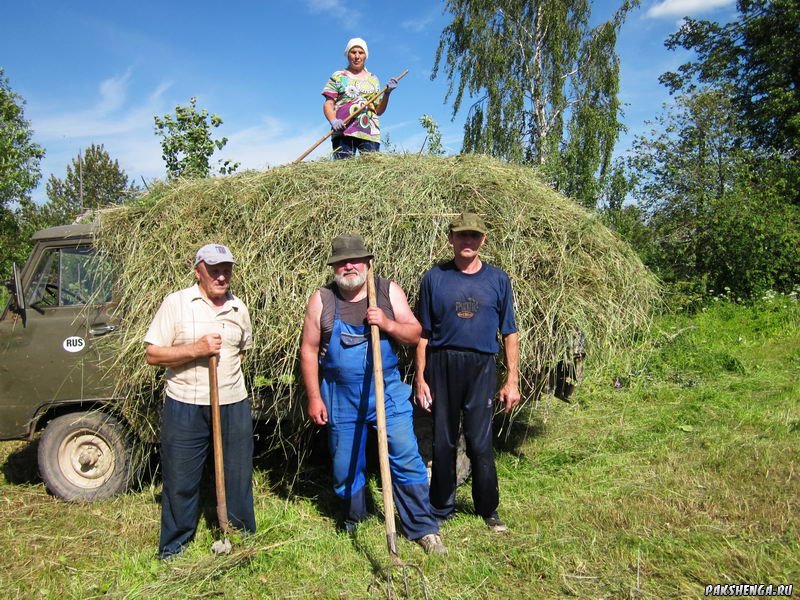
21 467
304 472
510 434
307 474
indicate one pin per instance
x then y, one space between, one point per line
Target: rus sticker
73 344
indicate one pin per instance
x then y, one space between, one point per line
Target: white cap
213 254
357 42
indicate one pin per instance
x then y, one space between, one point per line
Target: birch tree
541 83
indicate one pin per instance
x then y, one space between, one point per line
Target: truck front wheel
86 456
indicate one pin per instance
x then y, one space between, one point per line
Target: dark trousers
463 385
185 446
345 146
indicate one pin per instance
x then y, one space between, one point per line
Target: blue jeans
185 446
348 390
347 437
345 146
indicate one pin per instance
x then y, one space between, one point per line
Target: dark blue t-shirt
466 311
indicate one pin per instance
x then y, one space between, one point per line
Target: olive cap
468 221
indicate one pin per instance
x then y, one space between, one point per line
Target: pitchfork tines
385 578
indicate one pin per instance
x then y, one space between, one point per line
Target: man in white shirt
190 326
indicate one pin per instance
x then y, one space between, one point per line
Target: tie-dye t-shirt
349 94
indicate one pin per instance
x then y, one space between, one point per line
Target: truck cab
51 375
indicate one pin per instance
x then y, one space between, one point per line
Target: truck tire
423 427
568 373
86 456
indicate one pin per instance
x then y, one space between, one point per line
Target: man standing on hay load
345 93
336 348
463 303
190 326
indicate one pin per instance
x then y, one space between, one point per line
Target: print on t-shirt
467 309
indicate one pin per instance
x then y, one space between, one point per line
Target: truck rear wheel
423 427
86 456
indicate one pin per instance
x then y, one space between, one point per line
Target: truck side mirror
15 287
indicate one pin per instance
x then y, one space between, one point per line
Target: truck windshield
69 277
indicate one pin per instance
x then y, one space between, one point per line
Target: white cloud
123 125
113 92
419 24
336 8
105 116
684 8
271 143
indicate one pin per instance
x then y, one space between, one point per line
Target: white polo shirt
186 316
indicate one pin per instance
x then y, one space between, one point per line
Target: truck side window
43 289
70 277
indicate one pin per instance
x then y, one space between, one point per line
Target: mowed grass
684 473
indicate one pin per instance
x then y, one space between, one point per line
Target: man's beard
349 284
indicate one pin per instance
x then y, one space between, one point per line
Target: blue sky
98 72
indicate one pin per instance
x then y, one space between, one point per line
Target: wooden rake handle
216 432
367 104
380 413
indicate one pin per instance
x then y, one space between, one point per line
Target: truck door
53 358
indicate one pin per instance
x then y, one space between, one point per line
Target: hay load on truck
73 360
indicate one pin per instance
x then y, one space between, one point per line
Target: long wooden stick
380 412
216 432
367 104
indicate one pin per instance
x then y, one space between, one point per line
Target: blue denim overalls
348 391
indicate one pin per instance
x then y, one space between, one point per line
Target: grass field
680 469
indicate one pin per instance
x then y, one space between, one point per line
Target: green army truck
50 369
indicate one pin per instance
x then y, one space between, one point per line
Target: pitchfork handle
216 432
367 105
380 413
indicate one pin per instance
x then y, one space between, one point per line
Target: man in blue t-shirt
463 303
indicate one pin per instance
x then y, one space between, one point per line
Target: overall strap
336 313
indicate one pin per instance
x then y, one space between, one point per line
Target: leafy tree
93 180
19 174
757 55
545 85
719 177
683 165
433 137
716 208
187 143
626 219
753 240
19 155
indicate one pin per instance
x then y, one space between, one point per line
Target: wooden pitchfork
368 104
383 455
222 546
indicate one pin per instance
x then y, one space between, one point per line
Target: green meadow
674 468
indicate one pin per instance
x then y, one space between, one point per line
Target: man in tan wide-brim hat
336 360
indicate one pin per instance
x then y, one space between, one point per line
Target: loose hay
569 272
